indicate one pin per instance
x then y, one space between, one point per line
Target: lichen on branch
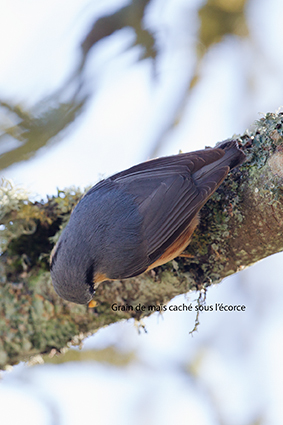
241 224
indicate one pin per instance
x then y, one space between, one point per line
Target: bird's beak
92 304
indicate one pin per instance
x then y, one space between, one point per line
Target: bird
137 219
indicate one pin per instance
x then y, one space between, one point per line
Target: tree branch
241 224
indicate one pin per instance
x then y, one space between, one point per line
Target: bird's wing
169 196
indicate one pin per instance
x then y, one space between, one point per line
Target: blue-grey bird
137 219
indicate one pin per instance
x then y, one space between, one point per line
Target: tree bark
241 224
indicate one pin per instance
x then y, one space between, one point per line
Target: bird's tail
233 157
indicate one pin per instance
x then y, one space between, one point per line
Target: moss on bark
240 224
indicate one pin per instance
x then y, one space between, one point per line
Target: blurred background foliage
219 18
23 131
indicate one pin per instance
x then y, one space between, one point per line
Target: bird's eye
89 277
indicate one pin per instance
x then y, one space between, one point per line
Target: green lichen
239 225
